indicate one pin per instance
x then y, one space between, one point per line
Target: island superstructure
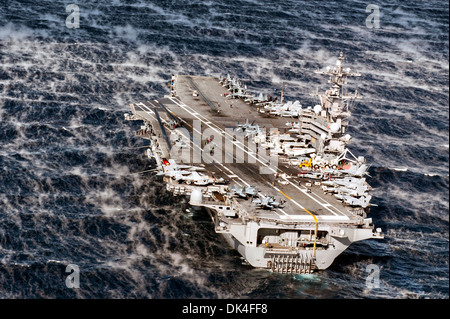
277 178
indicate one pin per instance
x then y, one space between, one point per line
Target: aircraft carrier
276 176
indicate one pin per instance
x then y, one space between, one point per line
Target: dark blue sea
72 191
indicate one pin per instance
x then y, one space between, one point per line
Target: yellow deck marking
315 219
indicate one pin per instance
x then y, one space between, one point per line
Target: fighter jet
299 151
239 93
311 175
293 125
360 190
354 171
268 102
244 192
348 182
193 177
271 107
291 109
290 113
255 100
363 201
196 178
292 144
235 86
176 171
235 83
226 81
173 124
247 126
288 109
266 202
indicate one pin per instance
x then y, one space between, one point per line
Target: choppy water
70 187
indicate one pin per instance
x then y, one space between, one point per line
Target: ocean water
72 186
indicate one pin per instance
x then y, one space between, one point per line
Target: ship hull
284 260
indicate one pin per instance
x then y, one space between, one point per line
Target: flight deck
301 201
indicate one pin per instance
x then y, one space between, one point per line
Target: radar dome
317 109
334 127
196 197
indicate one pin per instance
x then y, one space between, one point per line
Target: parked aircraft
266 202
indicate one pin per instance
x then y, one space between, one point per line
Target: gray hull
293 259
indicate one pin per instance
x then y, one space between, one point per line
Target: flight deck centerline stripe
315 231
284 194
186 107
314 216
